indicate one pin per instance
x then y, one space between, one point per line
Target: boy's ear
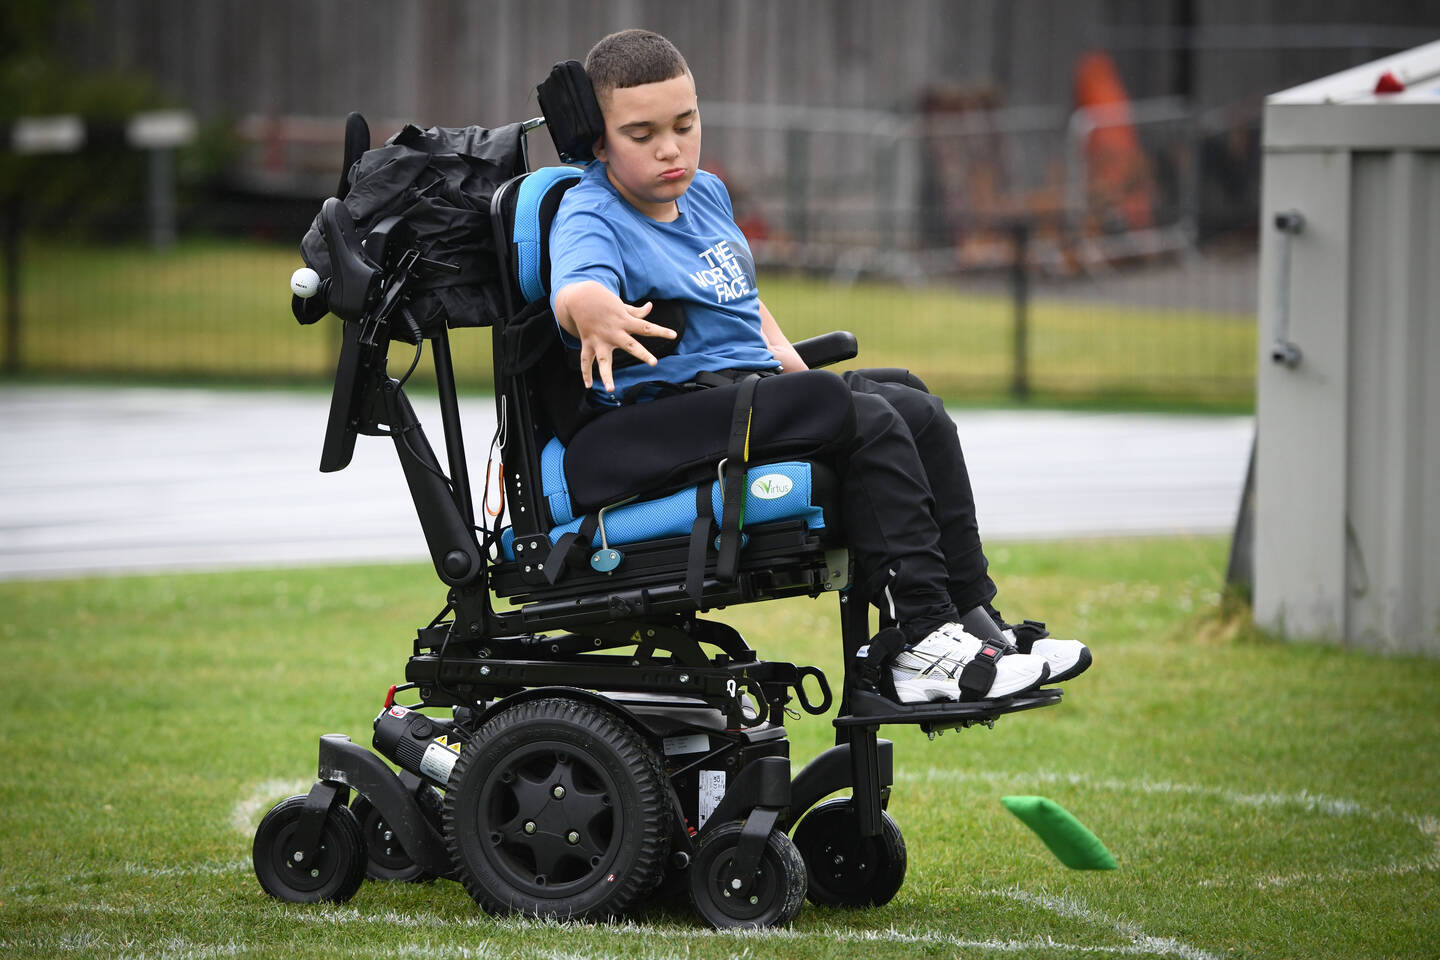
597 149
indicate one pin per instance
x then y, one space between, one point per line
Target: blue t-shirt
700 259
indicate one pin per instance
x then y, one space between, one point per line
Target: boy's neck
659 212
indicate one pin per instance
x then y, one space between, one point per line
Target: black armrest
828 348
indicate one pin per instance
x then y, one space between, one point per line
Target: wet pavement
110 480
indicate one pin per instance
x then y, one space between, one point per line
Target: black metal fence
1031 289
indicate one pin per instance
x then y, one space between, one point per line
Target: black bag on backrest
440 180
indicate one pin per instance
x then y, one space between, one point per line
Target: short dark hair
632 58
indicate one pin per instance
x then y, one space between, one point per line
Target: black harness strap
569 546
732 516
700 535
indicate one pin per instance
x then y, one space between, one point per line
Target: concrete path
96 479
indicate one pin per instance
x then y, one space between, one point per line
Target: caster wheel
337 870
846 869
555 809
775 896
386 859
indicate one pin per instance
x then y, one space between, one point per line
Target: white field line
247 809
1140 945
90 943
1427 826
246 813
1303 799
1072 909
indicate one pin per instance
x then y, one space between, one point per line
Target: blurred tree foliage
100 190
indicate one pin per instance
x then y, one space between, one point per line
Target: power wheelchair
582 737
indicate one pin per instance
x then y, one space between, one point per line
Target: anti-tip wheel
775 896
846 869
334 874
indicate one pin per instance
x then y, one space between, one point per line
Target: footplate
871 710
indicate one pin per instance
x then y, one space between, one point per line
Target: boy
644 224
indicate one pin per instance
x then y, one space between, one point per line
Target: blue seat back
537 198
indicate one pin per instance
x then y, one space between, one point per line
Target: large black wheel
334 874
775 896
846 869
556 808
386 859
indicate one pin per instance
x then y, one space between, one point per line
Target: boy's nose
666 148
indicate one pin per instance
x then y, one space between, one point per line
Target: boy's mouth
673 174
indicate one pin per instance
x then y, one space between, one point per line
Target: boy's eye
639 138
685 129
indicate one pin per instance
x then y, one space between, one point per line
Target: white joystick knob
305 283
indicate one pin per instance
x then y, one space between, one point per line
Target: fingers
640 327
606 377
655 330
587 360
619 332
639 352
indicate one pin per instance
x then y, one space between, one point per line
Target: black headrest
572 113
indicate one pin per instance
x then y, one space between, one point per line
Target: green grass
216 308
1262 799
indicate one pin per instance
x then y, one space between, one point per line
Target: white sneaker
931 669
1066 658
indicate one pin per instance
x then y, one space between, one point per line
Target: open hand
604 323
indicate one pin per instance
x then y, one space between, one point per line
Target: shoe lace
957 642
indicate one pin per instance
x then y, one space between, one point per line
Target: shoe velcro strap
877 656
1027 633
979 674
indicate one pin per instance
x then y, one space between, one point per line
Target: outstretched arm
780 346
603 323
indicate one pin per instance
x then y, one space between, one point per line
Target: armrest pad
828 348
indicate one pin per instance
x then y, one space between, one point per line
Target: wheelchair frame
561 644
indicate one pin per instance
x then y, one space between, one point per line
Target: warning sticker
711 784
681 743
439 759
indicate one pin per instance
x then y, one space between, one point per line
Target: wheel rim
843 863
381 845
844 867
719 880
546 819
298 876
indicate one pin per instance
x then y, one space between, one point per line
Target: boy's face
651 146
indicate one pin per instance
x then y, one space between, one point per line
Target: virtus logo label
772 486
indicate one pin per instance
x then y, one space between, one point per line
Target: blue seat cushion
773 491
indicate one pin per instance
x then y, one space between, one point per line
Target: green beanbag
1067 838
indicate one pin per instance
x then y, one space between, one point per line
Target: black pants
909 512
